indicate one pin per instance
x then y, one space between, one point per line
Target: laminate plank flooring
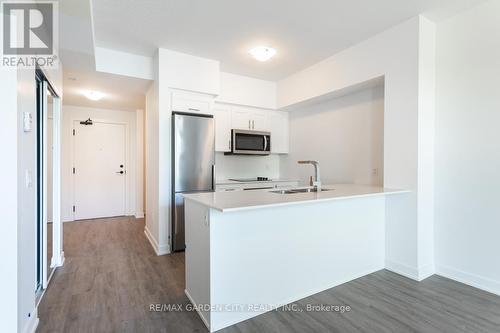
111 276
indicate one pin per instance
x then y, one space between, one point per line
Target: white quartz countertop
243 200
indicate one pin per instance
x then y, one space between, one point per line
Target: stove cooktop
245 180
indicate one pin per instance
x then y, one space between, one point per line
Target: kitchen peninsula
249 252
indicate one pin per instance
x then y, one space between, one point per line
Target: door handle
121 172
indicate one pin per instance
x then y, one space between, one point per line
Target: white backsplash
237 166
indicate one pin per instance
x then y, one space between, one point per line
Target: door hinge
74 209
74 170
74 132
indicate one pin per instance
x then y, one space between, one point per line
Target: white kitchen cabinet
229 117
223 127
227 188
183 101
279 128
250 119
259 120
241 119
285 185
256 186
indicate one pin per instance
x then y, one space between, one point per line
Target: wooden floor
111 276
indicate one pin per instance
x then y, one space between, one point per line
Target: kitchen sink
300 190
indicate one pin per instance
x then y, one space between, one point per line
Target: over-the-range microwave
245 142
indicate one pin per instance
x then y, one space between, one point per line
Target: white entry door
100 170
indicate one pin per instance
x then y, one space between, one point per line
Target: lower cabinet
256 186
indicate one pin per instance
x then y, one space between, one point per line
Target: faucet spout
317 176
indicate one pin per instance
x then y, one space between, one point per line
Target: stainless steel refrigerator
193 167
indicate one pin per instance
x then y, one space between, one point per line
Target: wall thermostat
27 121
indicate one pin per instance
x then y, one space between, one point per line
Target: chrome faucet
317 180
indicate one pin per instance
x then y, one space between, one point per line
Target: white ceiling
303 32
77 55
121 93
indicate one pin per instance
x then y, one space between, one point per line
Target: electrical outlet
375 172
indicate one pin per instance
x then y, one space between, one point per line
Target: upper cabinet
252 119
223 128
183 101
279 127
242 119
259 120
229 117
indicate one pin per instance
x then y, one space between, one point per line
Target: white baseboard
426 271
58 261
139 215
473 280
402 269
32 323
159 249
203 319
417 274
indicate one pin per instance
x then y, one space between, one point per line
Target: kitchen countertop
233 182
244 200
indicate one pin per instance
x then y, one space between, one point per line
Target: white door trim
127 159
45 115
57 259
57 226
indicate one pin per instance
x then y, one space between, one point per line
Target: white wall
346 135
230 166
396 55
18 200
184 71
156 233
9 200
468 147
243 90
77 113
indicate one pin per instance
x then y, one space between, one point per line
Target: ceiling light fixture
263 53
93 95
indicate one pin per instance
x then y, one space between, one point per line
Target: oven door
251 142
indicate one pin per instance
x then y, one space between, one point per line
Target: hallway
108 280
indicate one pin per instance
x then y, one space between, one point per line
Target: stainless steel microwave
245 142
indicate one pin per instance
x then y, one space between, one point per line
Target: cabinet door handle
249 127
193 109
253 124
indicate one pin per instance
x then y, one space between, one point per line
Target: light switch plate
27 121
29 179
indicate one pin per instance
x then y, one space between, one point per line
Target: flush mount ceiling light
262 53
93 95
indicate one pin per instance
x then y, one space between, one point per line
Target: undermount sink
300 190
